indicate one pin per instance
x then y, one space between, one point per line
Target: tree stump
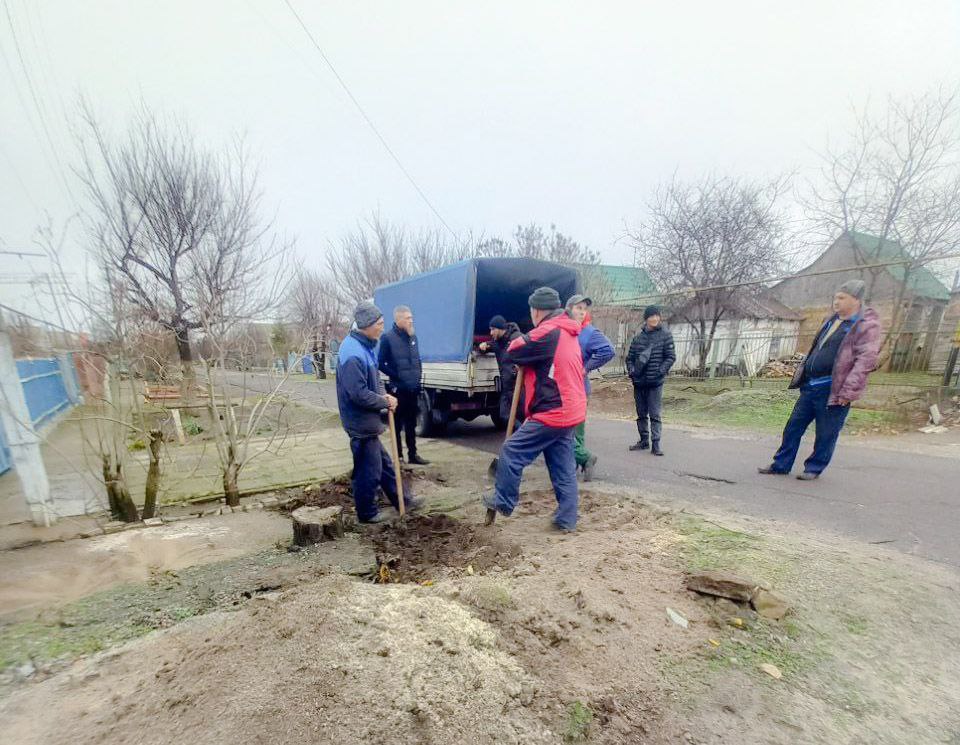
317 524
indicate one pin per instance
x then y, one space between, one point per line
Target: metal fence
913 367
50 386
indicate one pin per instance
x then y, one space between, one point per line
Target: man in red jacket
555 403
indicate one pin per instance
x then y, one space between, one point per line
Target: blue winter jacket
359 390
596 349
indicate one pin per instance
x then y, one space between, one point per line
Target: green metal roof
618 285
921 282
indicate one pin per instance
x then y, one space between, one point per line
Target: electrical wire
368 120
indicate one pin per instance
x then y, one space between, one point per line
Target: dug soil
442 630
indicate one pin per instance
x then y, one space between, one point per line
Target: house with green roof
612 286
925 297
619 295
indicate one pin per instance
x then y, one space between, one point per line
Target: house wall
803 293
948 336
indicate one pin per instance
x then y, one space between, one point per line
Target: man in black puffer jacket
649 360
399 360
502 333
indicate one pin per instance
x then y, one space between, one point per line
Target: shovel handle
395 457
515 402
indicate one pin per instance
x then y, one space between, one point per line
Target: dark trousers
506 401
649 402
372 470
406 420
556 444
811 407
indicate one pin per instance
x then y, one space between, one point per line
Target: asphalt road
902 499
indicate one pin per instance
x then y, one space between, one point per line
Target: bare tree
897 177
710 236
316 310
176 228
532 241
379 252
313 305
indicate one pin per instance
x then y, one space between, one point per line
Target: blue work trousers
523 447
811 407
372 469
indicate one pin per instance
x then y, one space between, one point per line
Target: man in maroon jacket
555 403
832 376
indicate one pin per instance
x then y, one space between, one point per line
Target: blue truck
452 308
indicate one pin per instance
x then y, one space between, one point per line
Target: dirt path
517 634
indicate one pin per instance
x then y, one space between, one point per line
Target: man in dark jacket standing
833 375
503 333
361 399
399 360
649 360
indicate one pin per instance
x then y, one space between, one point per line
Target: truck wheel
430 421
498 421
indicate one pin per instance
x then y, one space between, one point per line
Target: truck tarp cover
452 304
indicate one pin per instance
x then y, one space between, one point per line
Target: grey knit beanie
577 299
544 298
853 287
366 314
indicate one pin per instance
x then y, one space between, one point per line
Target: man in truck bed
555 403
503 332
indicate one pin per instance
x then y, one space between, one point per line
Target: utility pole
22 439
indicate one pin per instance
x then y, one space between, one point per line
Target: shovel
395 457
492 469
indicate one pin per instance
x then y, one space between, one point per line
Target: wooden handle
515 402
395 457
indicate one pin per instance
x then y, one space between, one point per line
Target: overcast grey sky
505 112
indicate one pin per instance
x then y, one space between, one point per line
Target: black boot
640 445
416 460
656 448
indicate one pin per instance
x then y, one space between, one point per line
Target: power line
36 101
21 254
35 319
368 120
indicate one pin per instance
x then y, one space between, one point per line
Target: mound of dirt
337 661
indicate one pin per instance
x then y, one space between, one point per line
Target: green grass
760 408
706 546
579 718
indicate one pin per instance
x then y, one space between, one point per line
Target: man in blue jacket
361 398
597 351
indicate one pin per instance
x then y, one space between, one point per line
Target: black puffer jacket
399 360
651 356
508 371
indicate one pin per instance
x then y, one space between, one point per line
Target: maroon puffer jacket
856 358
